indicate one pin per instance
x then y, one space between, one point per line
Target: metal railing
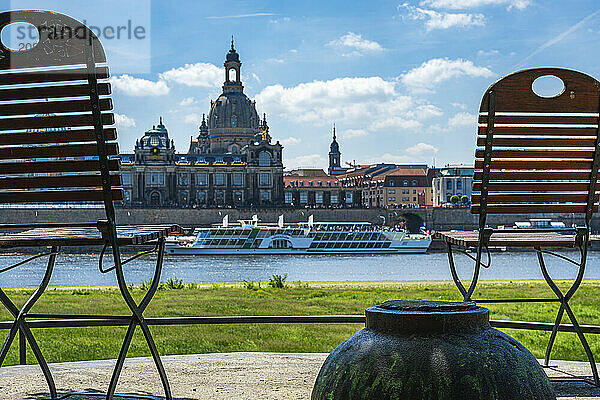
95 321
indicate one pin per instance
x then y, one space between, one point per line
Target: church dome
233 110
335 147
233 55
158 137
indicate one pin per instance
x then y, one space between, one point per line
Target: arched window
155 199
234 149
264 159
232 75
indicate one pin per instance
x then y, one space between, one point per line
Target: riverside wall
434 219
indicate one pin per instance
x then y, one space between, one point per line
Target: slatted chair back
536 154
56 141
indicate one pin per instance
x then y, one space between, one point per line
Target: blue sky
402 80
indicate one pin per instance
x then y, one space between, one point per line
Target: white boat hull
408 246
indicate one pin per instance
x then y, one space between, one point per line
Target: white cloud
459 105
279 20
462 119
123 121
364 103
241 16
422 149
256 78
306 161
355 42
466 4
293 51
276 60
188 101
138 87
199 74
389 158
431 73
443 20
421 153
193 118
488 53
353 133
290 141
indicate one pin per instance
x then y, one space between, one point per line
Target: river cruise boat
248 237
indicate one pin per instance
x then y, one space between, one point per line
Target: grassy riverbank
297 298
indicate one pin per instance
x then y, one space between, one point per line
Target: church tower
335 156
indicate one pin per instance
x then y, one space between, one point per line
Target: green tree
454 199
464 199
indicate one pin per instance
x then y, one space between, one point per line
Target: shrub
174 283
145 285
192 285
277 281
249 285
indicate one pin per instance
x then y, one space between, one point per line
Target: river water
82 270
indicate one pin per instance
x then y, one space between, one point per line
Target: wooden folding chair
535 155
55 147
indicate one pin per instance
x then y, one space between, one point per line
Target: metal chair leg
136 319
120 360
584 343
455 277
21 324
559 316
564 306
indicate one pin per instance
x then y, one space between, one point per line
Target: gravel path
227 376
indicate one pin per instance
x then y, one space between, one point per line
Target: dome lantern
233 80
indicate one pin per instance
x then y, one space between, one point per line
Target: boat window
337 245
362 245
386 245
370 245
330 245
319 236
322 245
346 245
378 245
240 242
263 233
354 245
256 243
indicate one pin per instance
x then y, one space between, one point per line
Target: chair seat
86 236
513 239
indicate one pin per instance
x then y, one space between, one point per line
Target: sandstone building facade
232 161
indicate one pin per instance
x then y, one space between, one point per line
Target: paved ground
246 376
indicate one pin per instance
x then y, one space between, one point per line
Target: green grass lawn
297 298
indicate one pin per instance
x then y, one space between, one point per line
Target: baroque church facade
232 161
